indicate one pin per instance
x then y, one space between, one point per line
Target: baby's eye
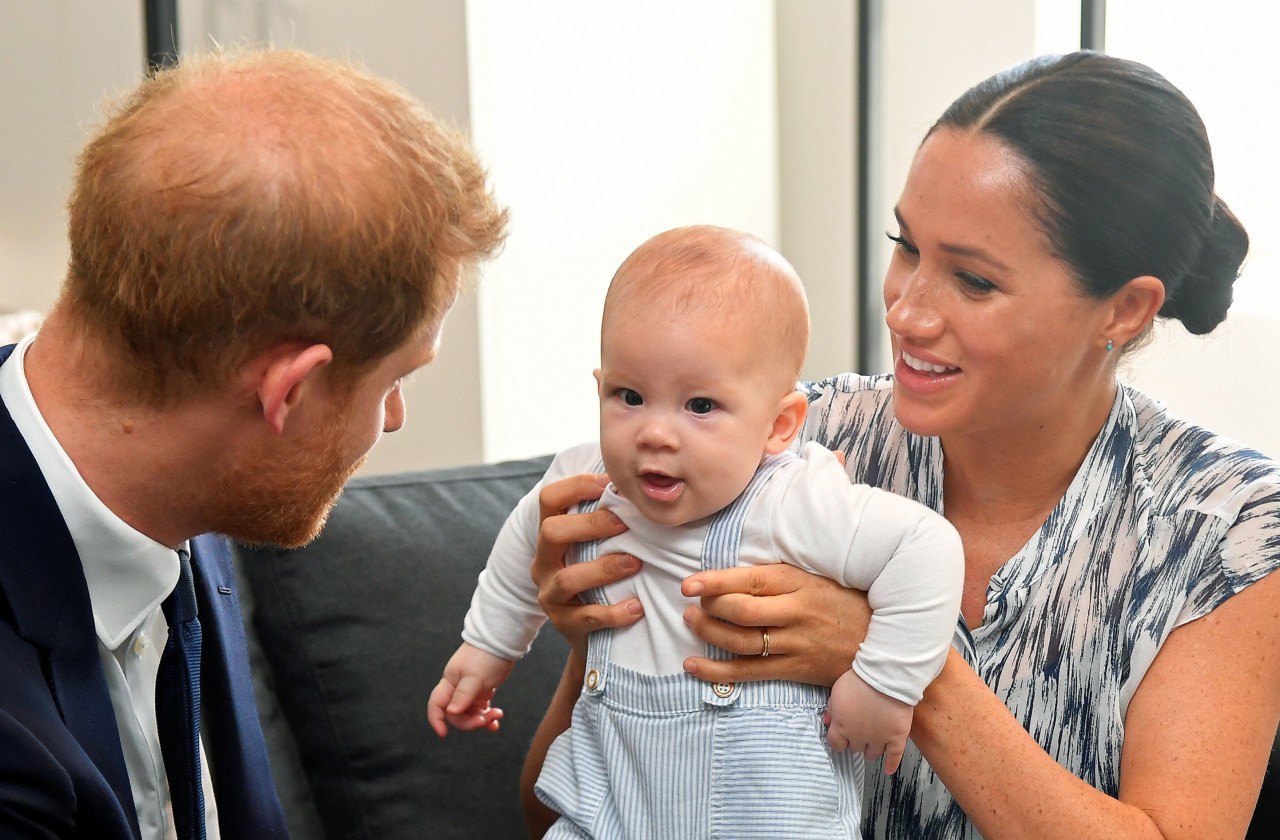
701 405
630 397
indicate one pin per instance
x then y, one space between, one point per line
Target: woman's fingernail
693 588
628 563
635 608
690 666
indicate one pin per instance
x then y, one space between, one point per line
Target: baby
703 336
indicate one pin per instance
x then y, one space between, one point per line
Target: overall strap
598 643
724 537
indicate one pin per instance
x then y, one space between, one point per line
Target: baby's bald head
721 276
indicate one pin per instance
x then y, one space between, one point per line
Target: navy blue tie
178 705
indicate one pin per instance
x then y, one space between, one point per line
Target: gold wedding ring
764 635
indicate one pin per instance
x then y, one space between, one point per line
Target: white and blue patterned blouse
1163 522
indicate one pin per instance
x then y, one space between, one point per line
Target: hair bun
1201 299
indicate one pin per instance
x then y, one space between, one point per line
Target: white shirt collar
128 573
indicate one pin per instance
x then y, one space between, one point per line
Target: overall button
593 678
722 689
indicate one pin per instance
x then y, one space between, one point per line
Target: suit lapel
233 731
41 573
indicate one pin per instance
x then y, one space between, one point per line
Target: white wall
58 58
1224 380
817 151
601 128
603 125
596 125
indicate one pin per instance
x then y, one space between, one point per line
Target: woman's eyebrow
957 250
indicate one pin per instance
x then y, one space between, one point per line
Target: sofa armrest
355 629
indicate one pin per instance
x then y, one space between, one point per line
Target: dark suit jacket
62 771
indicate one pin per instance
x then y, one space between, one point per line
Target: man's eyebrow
957 250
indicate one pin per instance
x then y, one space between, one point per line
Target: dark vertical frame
1093 25
162 33
864 300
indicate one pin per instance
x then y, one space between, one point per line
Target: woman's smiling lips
661 487
917 374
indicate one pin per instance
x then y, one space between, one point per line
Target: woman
1117 668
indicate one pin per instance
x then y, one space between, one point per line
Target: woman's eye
903 245
976 283
630 397
701 405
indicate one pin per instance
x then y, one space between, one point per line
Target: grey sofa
350 634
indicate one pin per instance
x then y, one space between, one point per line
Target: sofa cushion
357 627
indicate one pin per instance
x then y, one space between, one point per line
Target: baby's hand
461 698
861 718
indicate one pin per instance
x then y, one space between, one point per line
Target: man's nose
393 416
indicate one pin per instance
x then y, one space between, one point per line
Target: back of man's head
238 201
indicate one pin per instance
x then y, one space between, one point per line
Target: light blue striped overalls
673 758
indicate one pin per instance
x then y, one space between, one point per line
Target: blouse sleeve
1246 553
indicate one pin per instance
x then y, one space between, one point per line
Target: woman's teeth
923 366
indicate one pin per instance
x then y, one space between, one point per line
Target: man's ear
1133 307
786 425
285 378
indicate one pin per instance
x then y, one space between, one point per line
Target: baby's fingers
436 707
486 717
470 692
464 706
893 755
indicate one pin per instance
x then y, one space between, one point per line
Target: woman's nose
911 305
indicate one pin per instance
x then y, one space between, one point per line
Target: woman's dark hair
1124 177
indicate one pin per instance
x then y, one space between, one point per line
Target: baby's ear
786 425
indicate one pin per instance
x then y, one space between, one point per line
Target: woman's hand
815 625
559 585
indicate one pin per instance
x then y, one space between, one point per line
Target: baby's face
685 411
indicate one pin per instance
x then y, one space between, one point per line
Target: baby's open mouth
661 487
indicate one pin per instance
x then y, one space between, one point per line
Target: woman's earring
1110 345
